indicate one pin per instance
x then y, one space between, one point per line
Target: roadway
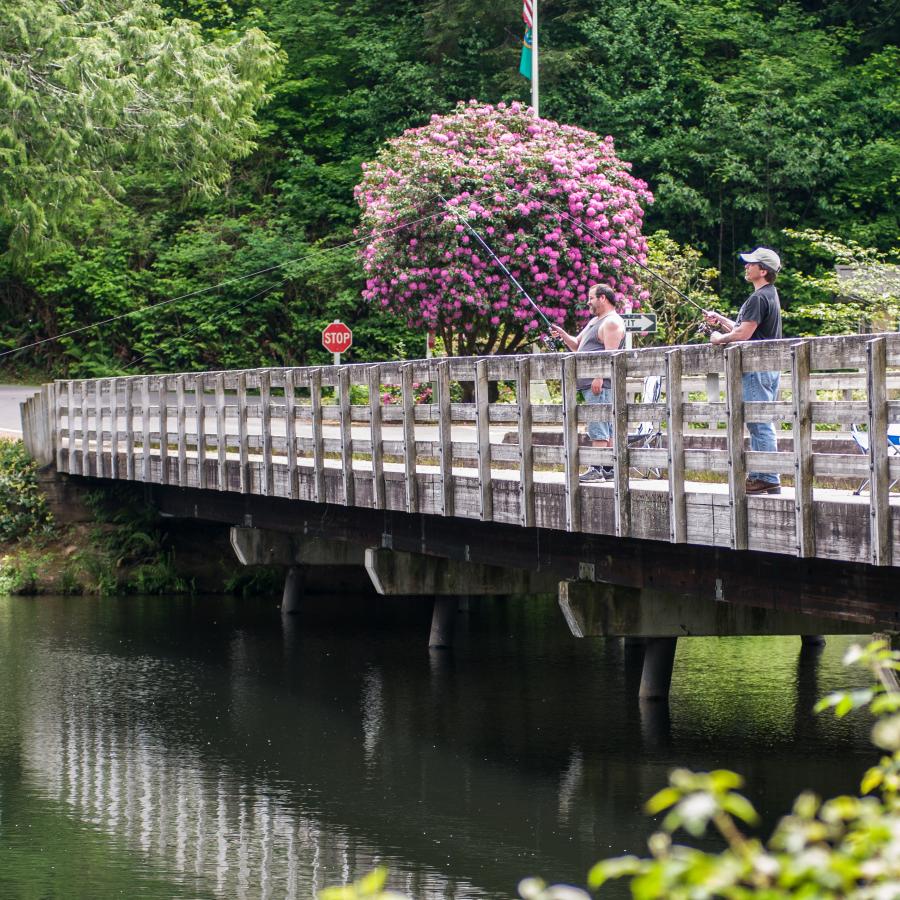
11 395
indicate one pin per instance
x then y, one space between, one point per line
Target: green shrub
23 507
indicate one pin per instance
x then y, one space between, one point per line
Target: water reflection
237 759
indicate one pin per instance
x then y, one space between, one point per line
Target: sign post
338 338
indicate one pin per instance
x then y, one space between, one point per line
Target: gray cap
765 257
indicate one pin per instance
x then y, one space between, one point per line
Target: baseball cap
765 257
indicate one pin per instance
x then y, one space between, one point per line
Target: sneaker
594 473
609 473
758 486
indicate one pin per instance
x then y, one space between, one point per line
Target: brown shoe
758 486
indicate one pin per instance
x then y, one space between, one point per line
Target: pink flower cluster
554 203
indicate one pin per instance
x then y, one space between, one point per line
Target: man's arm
571 341
742 332
613 332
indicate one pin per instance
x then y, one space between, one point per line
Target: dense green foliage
23 507
744 118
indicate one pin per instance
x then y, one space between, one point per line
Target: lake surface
170 747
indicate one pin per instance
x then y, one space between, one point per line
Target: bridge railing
470 437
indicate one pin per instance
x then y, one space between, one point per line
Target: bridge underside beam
397 573
267 547
604 610
839 591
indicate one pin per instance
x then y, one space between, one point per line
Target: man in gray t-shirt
758 320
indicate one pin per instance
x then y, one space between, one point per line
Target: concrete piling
659 660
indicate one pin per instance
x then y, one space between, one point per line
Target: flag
528 12
525 61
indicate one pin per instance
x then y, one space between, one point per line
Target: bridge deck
355 435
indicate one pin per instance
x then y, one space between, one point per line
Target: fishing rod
500 263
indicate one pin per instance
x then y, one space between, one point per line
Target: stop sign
337 337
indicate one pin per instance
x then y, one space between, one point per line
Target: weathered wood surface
356 435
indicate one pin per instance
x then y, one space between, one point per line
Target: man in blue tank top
605 331
758 320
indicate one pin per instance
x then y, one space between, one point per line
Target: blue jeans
762 386
598 431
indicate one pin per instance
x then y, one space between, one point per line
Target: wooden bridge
390 456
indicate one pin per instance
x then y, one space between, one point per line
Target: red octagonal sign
337 337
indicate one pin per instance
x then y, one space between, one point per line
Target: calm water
166 747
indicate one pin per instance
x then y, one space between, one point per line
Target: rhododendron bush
554 202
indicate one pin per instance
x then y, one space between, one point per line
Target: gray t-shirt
591 342
764 308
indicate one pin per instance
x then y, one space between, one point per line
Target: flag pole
534 58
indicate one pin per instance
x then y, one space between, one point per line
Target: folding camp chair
648 435
861 439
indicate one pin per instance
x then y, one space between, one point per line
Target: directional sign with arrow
641 323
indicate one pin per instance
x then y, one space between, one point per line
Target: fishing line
618 250
496 259
214 287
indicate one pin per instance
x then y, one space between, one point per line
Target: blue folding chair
861 439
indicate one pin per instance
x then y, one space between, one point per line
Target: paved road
11 395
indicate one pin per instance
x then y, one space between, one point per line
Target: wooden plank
85 428
129 428
145 429
265 424
221 438
483 440
315 391
734 430
445 438
58 392
243 449
181 426
346 437
70 421
200 426
712 396
675 448
409 436
98 420
526 445
290 432
571 487
164 430
621 461
373 378
804 514
879 497
114 427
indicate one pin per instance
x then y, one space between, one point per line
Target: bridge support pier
443 622
812 640
398 573
292 597
659 661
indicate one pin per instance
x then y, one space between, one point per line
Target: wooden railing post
181 424
445 436
483 440
675 441
70 400
265 419
200 428
58 426
145 429
129 429
346 437
85 428
98 423
572 488
163 430
526 446
737 470
803 463
621 461
243 436
879 496
114 427
315 391
374 382
290 434
221 433
409 436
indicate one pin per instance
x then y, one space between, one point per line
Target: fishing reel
704 329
